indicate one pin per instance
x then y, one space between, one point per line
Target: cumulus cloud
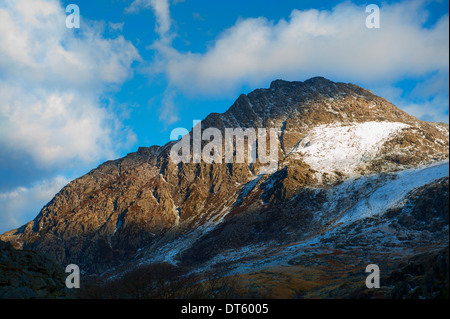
57 128
20 204
334 43
52 83
55 114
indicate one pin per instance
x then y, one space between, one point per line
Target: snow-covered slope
345 148
393 192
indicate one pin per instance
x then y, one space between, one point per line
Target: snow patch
394 192
343 148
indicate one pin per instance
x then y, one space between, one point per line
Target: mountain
357 181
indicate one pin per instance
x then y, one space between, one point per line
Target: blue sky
136 69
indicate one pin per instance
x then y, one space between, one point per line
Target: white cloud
20 205
52 82
57 128
55 112
333 43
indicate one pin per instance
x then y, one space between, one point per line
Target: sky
72 98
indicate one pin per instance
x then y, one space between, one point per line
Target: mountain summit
357 179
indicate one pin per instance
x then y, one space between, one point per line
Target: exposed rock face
144 207
28 274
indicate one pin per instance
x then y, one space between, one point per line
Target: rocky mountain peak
317 82
314 101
